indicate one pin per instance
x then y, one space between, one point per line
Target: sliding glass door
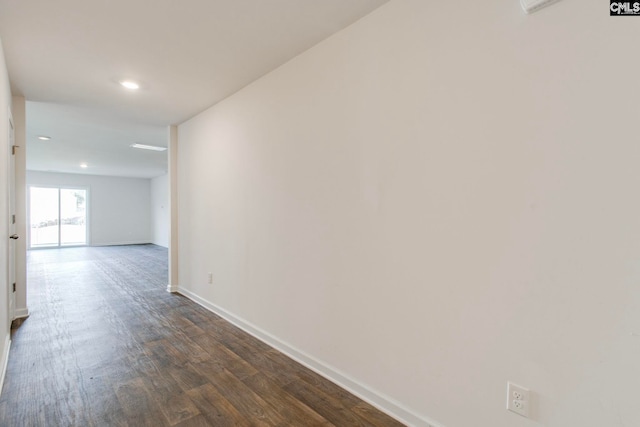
73 217
58 217
44 213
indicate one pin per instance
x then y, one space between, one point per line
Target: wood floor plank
225 357
104 406
138 405
187 377
215 408
185 345
197 421
299 372
292 409
163 352
197 315
170 397
327 406
245 400
106 345
374 416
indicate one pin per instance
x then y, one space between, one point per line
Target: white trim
384 403
12 251
133 242
172 158
172 288
5 359
20 313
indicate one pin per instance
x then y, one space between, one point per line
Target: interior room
428 204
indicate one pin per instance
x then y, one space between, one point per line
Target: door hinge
14 287
13 219
13 149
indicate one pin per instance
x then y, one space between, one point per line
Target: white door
12 222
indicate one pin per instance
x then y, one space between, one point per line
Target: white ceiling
67 56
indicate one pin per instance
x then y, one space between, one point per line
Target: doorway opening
57 217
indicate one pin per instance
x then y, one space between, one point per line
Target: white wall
434 201
5 105
119 208
160 211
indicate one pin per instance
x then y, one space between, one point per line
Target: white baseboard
384 403
5 358
172 288
132 242
20 313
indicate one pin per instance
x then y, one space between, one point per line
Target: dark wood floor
106 345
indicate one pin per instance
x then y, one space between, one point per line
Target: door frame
11 226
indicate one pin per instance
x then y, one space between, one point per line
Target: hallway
106 345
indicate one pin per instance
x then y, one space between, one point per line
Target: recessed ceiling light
148 147
84 165
44 138
130 85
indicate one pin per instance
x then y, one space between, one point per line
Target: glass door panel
73 217
44 217
58 217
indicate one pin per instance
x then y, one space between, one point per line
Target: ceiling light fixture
84 165
44 138
148 147
130 85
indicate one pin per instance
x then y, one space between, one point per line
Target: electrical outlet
518 399
210 278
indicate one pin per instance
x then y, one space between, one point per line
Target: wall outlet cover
518 399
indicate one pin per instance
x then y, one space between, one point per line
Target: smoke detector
531 6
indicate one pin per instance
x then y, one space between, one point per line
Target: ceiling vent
531 6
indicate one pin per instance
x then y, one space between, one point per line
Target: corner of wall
5 358
5 110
